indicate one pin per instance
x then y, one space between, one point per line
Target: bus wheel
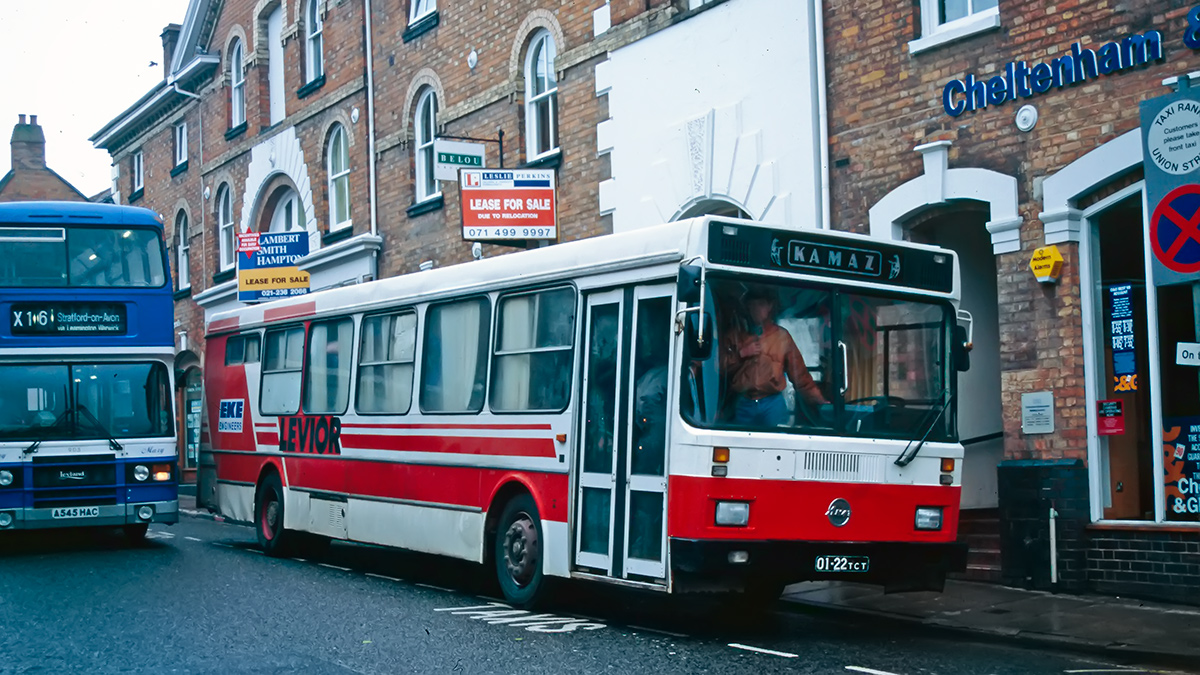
136 534
268 518
518 552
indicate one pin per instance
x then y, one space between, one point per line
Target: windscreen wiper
112 441
907 456
32 447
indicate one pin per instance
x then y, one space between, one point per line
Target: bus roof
658 245
76 213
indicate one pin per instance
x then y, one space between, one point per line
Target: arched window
338 170
181 231
541 97
315 64
237 86
424 125
285 210
225 238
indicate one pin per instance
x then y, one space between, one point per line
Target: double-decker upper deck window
327 377
532 370
283 359
385 370
33 257
454 360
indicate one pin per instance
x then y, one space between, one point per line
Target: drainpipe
822 113
1053 546
371 119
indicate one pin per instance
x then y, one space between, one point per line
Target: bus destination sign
822 255
67 318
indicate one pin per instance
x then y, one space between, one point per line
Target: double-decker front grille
78 480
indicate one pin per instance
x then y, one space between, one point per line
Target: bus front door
620 501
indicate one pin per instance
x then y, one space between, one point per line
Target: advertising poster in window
1124 354
508 205
268 265
1181 466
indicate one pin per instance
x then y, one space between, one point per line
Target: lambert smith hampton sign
267 265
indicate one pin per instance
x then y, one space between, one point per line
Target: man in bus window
756 359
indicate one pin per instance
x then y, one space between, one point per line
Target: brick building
29 179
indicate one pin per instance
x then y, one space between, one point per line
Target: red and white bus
589 410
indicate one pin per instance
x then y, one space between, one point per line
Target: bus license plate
842 563
76 512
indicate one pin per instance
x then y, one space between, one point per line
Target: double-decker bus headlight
6 478
929 518
6 519
141 473
733 514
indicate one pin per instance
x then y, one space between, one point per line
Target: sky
77 64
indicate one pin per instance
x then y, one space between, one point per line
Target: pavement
1115 626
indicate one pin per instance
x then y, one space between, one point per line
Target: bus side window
455 354
534 336
283 359
327 377
253 347
386 355
235 350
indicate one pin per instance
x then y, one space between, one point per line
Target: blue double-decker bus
87 429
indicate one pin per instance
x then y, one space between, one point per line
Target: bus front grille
47 499
840 466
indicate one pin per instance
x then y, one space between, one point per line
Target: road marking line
658 630
217 543
193 539
1108 670
380 576
760 650
334 567
869 671
436 588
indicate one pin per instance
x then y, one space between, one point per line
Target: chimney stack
28 145
170 38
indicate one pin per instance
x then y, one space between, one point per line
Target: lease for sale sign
506 205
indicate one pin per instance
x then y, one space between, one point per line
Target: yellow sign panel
1047 264
272 278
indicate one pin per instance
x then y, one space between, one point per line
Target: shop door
622 486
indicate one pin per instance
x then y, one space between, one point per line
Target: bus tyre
136 534
268 518
518 552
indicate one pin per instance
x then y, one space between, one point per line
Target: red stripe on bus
796 510
223 324
463 427
290 312
461 445
267 438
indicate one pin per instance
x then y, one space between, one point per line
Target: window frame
483 346
314 42
419 9
307 368
537 50
496 354
338 133
423 151
225 250
181 143
237 85
183 251
139 171
243 339
935 33
263 372
361 363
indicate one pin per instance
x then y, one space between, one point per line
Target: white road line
869 671
333 567
1109 670
380 576
193 539
252 550
760 650
217 543
658 630
436 588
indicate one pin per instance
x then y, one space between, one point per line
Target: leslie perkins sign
268 265
505 205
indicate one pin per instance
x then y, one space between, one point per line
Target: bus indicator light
947 464
721 455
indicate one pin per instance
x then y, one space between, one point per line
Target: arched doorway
282 210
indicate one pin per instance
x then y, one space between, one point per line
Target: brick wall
1028 490
1157 565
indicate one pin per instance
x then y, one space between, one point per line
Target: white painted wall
723 105
275 65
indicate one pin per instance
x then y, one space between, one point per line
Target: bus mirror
688 287
699 348
961 348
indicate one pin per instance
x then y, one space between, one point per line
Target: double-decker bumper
898 566
111 515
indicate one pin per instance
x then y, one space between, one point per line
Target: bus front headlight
733 514
141 473
929 518
6 478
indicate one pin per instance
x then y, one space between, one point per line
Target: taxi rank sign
1171 151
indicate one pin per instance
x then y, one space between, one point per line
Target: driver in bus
756 360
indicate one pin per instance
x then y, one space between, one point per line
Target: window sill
182 293
345 231
179 168
968 26
1144 526
136 195
420 26
550 160
235 131
223 276
311 87
427 206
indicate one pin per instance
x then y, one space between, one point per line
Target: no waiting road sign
1175 230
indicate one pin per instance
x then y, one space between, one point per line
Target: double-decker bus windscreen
791 357
46 402
42 256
